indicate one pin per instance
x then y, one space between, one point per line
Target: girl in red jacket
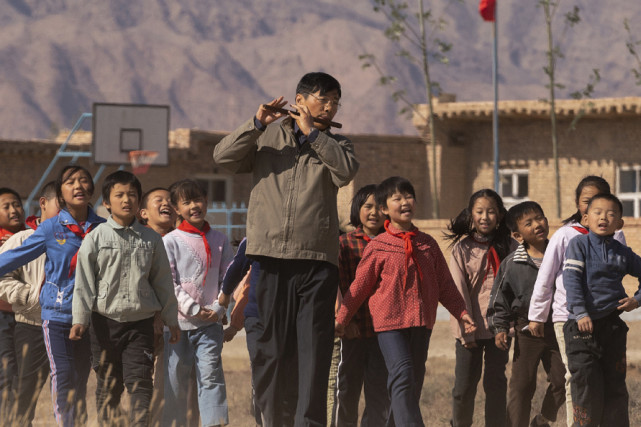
404 274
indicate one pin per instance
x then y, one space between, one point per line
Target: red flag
486 8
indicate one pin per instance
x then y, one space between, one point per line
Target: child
21 288
595 335
405 276
241 265
548 296
360 355
480 241
156 211
122 279
199 257
60 238
509 303
11 221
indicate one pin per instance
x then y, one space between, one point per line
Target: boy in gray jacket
122 279
509 305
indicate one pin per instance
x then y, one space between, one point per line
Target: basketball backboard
119 129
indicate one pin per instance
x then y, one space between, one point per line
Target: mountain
215 61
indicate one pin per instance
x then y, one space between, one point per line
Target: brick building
605 142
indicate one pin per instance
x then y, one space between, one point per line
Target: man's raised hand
266 116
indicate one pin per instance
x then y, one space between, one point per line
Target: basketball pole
60 154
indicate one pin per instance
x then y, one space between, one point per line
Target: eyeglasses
324 101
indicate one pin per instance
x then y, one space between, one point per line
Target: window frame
634 197
513 174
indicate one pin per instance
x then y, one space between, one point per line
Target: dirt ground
435 400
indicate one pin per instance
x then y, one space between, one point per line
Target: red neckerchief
188 228
5 232
32 222
493 260
581 229
409 249
77 230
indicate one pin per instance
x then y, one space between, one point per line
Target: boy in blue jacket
595 335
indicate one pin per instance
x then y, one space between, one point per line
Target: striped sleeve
574 278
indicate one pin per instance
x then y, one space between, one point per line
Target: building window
629 190
217 188
514 186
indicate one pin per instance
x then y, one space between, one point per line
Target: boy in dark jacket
509 305
595 335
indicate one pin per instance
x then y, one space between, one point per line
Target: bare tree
554 53
632 43
413 32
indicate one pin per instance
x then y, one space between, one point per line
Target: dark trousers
70 363
123 355
528 351
296 309
597 363
32 372
362 366
469 366
253 330
405 353
7 361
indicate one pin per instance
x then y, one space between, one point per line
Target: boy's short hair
120 177
318 81
607 196
358 201
186 189
49 190
391 185
516 212
65 173
145 197
7 190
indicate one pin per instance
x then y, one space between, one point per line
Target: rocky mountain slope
214 61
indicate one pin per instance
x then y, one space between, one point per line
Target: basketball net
141 160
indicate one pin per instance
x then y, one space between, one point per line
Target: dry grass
435 400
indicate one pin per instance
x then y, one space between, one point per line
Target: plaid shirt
351 250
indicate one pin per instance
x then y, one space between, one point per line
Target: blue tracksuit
69 360
592 272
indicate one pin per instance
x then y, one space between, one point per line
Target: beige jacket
292 207
21 287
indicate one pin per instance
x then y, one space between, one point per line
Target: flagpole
495 116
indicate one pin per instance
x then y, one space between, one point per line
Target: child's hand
585 324
77 331
229 333
468 323
352 331
224 300
339 330
175 334
536 329
628 304
158 324
207 315
501 340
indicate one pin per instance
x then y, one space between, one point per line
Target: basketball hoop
141 160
